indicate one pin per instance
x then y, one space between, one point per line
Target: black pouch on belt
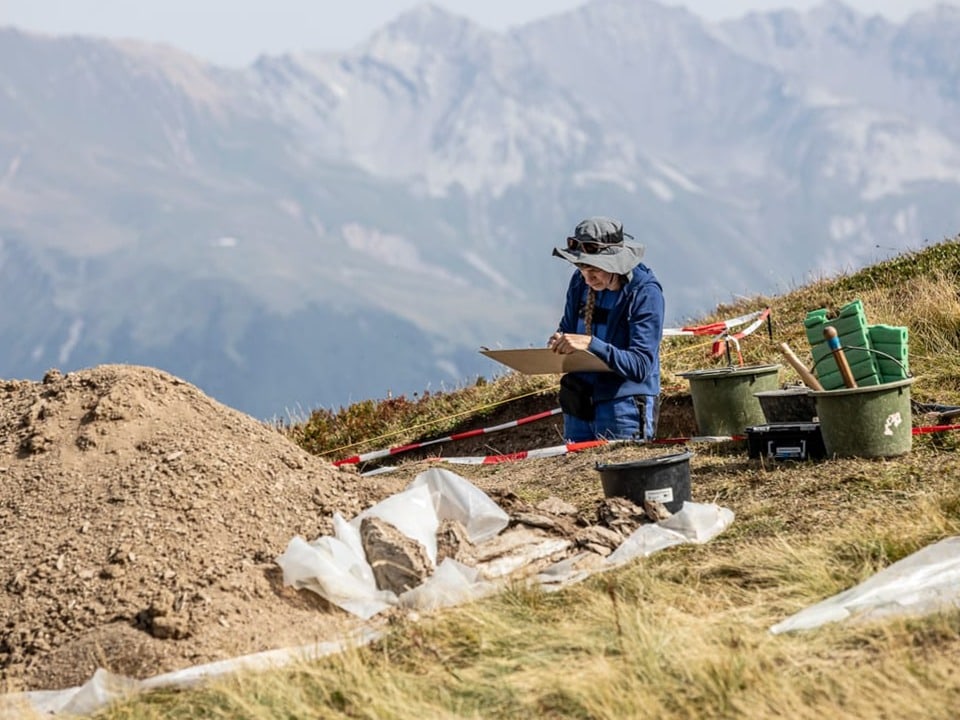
576 397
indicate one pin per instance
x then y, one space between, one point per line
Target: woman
614 310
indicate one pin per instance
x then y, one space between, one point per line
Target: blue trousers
626 418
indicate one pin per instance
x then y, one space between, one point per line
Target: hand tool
833 342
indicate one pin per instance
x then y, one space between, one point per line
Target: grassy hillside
685 632
918 290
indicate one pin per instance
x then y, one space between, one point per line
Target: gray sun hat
605 236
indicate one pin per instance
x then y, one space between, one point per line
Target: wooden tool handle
808 377
833 342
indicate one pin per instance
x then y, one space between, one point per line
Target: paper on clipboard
544 361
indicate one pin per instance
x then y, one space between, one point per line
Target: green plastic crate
876 353
893 351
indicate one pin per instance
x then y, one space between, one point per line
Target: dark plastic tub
665 478
789 405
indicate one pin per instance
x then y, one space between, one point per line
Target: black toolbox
786 441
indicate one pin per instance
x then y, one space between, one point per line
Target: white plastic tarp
695 523
922 583
331 568
453 583
457 499
337 569
105 687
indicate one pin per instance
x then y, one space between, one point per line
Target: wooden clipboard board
544 361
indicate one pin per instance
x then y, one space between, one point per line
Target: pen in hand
565 343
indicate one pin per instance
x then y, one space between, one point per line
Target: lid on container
731 370
784 392
647 462
784 427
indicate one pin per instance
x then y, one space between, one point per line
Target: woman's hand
566 343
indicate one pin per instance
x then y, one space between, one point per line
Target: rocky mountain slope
317 228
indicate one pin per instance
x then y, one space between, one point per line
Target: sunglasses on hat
589 247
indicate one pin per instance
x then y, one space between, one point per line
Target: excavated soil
140 520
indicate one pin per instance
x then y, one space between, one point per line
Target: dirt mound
139 521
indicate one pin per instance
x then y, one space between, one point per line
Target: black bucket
665 478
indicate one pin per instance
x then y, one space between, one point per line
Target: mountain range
321 228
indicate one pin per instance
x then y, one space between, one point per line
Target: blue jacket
634 330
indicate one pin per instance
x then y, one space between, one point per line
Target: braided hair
591 303
588 311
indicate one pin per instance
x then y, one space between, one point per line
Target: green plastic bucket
871 421
724 399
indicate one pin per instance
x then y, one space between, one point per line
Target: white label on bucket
892 421
663 495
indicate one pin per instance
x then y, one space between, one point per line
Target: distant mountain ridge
316 229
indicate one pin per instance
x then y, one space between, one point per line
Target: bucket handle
871 350
730 369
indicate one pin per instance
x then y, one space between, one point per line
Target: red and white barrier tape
573 447
552 452
377 454
525 454
721 327
509 457
723 339
934 428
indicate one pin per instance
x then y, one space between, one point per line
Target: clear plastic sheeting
452 584
457 499
336 568
648 539
105 687
925 582
437 495
332 568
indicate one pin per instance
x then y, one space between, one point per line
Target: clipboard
544 361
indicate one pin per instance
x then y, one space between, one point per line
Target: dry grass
685 633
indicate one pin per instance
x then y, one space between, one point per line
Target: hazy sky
235 32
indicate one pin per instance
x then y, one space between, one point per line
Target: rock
165 618
621 515
399 562
560 525
597 535
452 542
656 510
556 506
